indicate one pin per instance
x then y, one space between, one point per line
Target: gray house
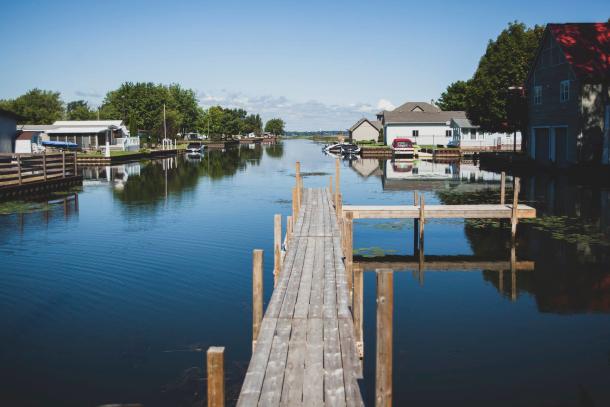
8 131
568 96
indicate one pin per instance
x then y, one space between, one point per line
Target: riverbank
123 156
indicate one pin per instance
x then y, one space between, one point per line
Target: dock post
298 180
277 247
349 251
357 309
422 219
63 164
337 182
75 167
513 273
257 294
295 203
415 227
216 376
44 165
339 205
288 228
514 215
19 169
502 187
383 363
501 282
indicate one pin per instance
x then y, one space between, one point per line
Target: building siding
365 132
8 130
429 134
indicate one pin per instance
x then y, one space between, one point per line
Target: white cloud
308 115
385 104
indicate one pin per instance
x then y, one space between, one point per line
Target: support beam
216 376
514 218
383 362
277 247
502 187
358 309
422 219
257 294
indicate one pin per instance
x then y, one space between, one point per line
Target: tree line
140 105
486 97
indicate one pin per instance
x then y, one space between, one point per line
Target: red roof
586 47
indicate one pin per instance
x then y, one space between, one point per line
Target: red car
402 146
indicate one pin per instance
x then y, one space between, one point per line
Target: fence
19 169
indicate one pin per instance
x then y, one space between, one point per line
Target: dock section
305 352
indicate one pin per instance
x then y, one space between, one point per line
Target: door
542 146
561 146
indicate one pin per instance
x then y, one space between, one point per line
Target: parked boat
342 148
403 146
194 148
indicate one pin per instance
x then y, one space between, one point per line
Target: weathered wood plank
274 375
334 385
292 391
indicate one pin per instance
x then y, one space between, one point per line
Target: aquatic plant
372 251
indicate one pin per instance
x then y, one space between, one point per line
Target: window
473 134
537 95
415 133
448 133
564 91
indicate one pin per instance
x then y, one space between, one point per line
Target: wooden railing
19 169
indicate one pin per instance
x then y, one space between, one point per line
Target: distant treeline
323 133
140 105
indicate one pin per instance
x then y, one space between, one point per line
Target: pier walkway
305 352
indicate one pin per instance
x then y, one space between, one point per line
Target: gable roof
416 107
375 123
586 47
463 122
437 117
85 123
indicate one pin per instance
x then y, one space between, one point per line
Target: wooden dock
305 352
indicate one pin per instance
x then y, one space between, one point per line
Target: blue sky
317 64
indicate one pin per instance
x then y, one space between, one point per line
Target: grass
98 154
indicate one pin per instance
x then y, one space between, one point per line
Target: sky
316 64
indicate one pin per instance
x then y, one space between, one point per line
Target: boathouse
365 130
568 96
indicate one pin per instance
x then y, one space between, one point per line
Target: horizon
317 66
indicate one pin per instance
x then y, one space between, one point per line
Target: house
94 134
423 123
568 96
364 130
470 137
8 131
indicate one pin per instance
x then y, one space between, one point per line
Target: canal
112 293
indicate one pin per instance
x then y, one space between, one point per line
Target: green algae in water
568 229
16 207
372 251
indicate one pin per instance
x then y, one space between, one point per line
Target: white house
467 135
421 122
364 130
94 134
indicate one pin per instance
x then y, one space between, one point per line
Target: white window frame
537 95
564 91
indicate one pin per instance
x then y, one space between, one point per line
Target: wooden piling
44 165
513 272
295 203
216 376
19 169
514 218
289 228
339 205
385 310
63 164
277 247
298 180
422 219
415 199
502 187
75 164
358 309
337 182
349 250
257 293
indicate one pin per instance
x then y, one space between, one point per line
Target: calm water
111 298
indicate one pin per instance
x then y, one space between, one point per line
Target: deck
305 353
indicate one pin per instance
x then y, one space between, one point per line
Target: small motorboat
333 148
194 148
350 149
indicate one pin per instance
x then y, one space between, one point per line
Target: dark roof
375 123
417 106
438 116
586 47
8 113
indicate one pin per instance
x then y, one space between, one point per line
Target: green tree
36 106
275 126
80 110
454 98
505 64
